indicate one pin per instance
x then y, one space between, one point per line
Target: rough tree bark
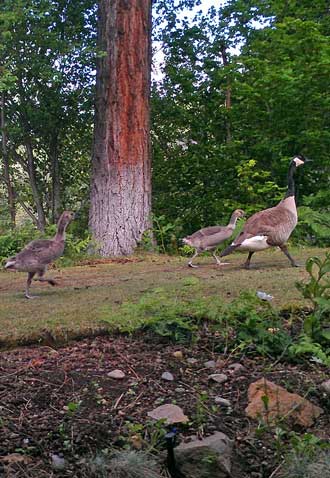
6 171
121 171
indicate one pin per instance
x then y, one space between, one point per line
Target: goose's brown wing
40 251
261 223
207 231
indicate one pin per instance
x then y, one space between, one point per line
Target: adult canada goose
273 226
209 238
36 255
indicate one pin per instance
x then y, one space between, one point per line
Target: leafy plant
315 337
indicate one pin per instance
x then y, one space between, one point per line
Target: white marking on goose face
298 161
255 243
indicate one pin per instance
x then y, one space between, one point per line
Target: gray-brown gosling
273 226
36 255
209 238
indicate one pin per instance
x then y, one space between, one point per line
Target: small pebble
58 462
210 364
167 376
178 354
222 401
325 387
218 377
116 374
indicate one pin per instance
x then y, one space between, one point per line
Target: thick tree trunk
6 170
121 170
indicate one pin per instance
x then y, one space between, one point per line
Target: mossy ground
74 308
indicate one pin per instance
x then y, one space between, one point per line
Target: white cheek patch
298 161
255 243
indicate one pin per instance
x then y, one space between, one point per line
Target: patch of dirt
63 402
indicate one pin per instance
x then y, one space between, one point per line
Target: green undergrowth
309 457
246 324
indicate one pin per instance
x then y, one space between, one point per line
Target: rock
192 360
167 376
210 364
325 387
222 401
178 354
180 390
58 462
236 367
171 413
218 377
116 374
210 457
279 404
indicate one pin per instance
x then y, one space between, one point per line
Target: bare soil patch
38 386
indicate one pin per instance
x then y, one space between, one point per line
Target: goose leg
40 278
246 265
218 260
284 249
28 283
190 264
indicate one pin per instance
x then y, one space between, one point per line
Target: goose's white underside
255 243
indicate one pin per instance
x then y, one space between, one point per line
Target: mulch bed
61 401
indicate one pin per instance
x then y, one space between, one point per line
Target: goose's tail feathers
229 249
10 264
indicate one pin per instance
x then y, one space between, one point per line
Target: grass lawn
75 307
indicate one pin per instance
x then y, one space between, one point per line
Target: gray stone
180 390
218 377
210 457
167 376
58 462
170 413
325 387
222 401
210 364
116 374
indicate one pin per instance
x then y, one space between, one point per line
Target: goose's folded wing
40 251
207 231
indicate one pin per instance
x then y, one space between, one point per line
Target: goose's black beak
308 160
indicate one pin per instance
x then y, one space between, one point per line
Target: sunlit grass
75 307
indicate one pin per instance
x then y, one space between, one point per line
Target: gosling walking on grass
209 238
36 255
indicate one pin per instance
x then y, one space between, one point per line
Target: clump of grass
310 465
246 324
124 464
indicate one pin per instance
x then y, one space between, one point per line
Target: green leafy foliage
246 324
315 338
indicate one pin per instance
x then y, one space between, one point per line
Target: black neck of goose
291 191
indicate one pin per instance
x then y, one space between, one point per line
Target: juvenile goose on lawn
36 255
209 238
273 226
